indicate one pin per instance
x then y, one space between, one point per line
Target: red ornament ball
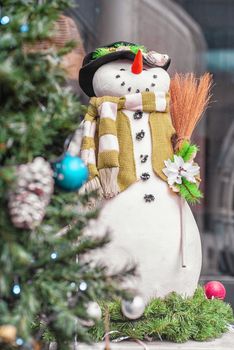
215 289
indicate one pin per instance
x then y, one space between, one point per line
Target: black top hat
112 52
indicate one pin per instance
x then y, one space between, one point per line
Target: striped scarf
107 146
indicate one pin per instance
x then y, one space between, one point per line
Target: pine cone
31 193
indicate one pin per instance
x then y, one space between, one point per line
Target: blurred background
199 36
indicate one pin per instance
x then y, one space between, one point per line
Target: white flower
178 168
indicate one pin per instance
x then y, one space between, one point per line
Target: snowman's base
223 343
173 318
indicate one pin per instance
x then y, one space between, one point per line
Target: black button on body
144 158
145 176
140 135
138 115
149 198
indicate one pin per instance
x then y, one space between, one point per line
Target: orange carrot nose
137 65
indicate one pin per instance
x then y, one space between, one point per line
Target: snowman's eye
123 83
117 76
122 69
155 76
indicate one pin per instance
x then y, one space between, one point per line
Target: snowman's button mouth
149 198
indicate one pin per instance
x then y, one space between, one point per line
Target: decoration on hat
102 51
154 58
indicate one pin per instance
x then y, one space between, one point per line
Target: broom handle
183 233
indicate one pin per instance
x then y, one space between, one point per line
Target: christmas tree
47 290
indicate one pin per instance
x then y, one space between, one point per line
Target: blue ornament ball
70 172
24 28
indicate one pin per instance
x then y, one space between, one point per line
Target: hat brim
91 66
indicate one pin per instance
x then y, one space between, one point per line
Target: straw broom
189 99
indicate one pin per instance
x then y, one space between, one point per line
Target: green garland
173 318
102 51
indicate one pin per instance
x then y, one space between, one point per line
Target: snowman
127 143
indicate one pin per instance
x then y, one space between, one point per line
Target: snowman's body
147 233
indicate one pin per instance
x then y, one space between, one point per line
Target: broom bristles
189 99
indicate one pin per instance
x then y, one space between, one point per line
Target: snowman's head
124 68
117 79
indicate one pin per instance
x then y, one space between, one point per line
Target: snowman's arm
87 150
74 147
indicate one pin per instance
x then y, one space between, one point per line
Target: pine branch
190 191
172 318
187 151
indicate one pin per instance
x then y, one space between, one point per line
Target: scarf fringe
108 177
93 203
92 185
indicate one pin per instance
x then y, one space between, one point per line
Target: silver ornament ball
94 311
133 309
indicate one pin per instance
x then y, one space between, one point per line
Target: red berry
215 289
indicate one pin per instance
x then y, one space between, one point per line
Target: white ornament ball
133 309
94 311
